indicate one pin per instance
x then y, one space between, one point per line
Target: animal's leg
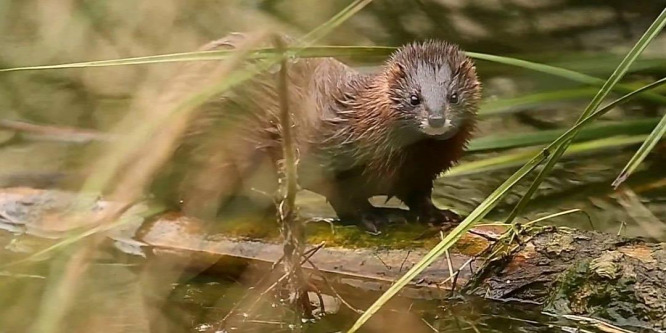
206 189
217 177
357 210
419 201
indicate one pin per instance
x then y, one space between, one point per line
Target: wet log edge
366 269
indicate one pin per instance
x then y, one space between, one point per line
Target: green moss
394 237
583 290
333 234
247 227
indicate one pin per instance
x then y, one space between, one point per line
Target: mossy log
588 273
559 270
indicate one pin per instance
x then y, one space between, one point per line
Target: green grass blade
361 52
447 242
561 72
514 159
498 107
612 81
569 134
335 21
602 63
595 131
312 37
491 108
261 53
306 50
155 59
537 67
642 152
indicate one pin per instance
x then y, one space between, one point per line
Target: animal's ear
397 71
468 67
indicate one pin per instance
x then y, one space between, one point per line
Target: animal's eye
414 99
453 98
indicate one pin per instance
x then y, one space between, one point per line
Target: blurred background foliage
588 36
522 109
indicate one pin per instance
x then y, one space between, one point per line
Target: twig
291 229
55 133
482 235
456 273
600 324
622 226
429 325
8 218
382 261
330 286
306 256
404 260
281 279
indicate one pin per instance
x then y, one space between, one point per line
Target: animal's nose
436 121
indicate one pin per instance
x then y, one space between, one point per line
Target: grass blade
595 131
333 22
309 51
642 152
566 73
491 108
307 40
514 159
488 204
258 54
612 81
306 50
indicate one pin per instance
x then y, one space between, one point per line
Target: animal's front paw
372 221
439 217
369 220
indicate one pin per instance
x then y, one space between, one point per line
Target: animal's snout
436 121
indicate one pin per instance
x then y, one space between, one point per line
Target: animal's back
233 143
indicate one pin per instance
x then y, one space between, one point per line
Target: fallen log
559 270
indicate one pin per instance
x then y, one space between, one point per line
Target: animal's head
433 88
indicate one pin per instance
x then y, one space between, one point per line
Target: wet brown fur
344 131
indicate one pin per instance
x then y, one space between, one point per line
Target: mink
357 135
